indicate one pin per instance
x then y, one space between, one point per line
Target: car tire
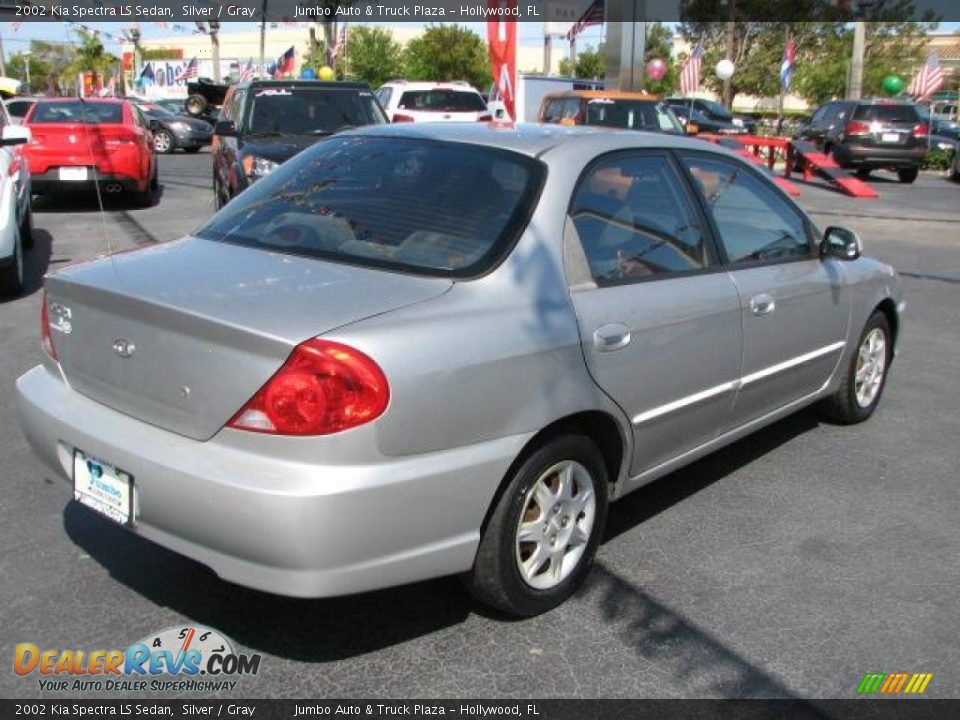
195 105
955 167
11 276
163 142
148 196
908 175
529 577
26 228
865 376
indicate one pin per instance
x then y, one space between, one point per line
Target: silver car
422 350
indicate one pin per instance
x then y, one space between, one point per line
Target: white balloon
725 69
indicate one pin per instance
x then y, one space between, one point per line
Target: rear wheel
148 197
543 533
908 175
11 276
866 375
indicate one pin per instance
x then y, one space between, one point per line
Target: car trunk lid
181 335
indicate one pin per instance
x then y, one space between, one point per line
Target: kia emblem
123 348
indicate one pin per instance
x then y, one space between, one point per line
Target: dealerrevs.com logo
178 659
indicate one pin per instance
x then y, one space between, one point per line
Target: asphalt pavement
787 565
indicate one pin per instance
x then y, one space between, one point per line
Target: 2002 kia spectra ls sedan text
419 350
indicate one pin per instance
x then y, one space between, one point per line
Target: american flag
248 72
593 16
190 72
16 26
928 80
690 72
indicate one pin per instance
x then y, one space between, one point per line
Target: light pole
26 69
855 88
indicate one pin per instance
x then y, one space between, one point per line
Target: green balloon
892 85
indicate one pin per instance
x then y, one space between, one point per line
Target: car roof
74 98
461 85
607 94
300 82
535 140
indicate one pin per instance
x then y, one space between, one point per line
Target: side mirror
692 128
841 243
225 128
15 135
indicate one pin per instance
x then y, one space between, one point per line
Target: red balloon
656 69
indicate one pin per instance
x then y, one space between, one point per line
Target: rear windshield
429 207
309 110
442 100
632 115
886 113
74 111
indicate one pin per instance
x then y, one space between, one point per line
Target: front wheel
11 276
866 375
908 175
163 142
543 533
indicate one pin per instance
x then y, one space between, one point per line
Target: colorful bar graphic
894 683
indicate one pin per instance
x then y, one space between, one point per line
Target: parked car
624 110
172 131
413 351
432 102
868 135
710 116
17 108
102 143
16 216
265 122
531 89
944 135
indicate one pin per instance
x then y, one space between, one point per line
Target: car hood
279 149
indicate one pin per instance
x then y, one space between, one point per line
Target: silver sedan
418 350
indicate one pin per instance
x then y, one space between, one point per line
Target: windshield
75 111
442 100
309 110
399 203
155 110
717 110
632 115
886 113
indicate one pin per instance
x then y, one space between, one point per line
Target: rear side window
423 206
886 113
635 220
78 112
442 100
756 224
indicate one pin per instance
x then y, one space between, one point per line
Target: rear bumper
50 182
875 157
285 526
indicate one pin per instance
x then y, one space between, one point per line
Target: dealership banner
477 709
540 11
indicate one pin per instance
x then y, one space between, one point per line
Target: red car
80 142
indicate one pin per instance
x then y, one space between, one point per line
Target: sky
17 40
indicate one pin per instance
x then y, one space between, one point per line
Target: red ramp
814 161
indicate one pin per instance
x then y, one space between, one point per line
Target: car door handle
762 304
612 336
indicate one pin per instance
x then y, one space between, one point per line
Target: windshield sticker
274 91
600 101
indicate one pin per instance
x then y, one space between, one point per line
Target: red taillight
47 341
123 137
399 117
856 128
921 130
323 387
485 118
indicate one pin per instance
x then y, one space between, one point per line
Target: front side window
755 223
635 220
422 206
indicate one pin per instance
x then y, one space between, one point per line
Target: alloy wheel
162 142
558 515
871 366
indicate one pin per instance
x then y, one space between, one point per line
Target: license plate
890 137
102 487
73 173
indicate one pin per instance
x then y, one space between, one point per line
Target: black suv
711 116
264 122
871 134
